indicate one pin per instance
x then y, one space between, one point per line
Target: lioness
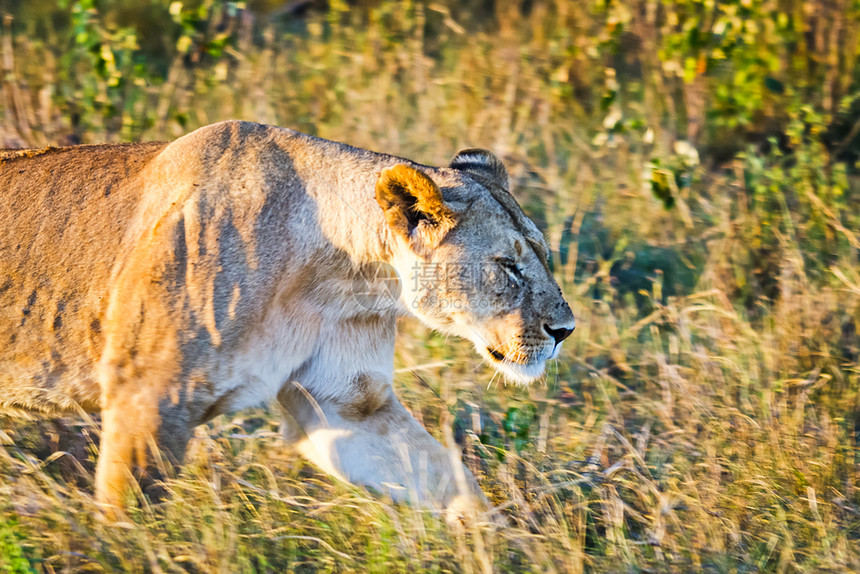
164 284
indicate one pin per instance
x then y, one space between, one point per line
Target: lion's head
472 264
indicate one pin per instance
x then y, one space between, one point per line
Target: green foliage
101 66
13 557
795 200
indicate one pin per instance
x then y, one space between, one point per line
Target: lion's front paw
464 508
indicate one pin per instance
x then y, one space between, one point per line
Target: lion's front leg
370 439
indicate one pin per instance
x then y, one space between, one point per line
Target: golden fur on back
163 284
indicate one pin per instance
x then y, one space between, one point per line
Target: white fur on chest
275 350
332 337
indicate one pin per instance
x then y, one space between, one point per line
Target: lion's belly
50 382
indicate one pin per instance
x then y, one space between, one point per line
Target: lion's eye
509 264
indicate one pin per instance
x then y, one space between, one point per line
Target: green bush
13 557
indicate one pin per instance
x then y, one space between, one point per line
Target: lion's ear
413 205
482 163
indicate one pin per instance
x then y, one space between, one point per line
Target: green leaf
774 85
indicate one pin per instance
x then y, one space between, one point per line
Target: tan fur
164 284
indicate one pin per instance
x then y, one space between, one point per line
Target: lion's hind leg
142 436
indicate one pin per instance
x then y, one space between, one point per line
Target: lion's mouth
517 358
517 366
496 355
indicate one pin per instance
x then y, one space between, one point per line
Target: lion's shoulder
247 139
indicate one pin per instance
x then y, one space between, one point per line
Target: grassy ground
704 414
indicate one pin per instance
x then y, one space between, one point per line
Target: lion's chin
521 373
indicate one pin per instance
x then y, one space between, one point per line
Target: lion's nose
559 334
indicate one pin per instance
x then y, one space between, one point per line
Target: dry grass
681 429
